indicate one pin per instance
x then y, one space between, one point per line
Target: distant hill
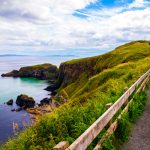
9 55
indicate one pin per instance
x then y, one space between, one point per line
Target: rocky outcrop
10 102
13 73
25 101
45 101
17 109
52 87
43 71
53 93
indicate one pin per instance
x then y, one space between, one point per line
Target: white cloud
50 24
138 3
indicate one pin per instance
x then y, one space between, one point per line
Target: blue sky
51 26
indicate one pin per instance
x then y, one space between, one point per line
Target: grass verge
126 123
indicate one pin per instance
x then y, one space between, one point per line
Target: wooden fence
82 142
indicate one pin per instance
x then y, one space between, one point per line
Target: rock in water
13 110
10 102
25 101
18 109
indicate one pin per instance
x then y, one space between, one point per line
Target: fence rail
82 142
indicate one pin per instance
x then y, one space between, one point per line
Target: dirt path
140 136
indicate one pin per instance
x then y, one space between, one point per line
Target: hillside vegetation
87 85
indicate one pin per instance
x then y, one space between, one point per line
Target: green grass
38 67
125 124
88 94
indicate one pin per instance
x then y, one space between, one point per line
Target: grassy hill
87 85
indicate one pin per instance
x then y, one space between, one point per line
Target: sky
45 26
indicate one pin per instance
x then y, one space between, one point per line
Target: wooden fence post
62 145
110 122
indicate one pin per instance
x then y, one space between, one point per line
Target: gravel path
140 136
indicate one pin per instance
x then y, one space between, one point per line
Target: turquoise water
12 87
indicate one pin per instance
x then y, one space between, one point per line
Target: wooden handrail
82 142
114 125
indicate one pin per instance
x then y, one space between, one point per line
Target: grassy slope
114 72
123 55
38 67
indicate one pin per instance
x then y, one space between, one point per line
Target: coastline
12 87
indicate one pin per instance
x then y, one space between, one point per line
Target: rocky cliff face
70 72
44 71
